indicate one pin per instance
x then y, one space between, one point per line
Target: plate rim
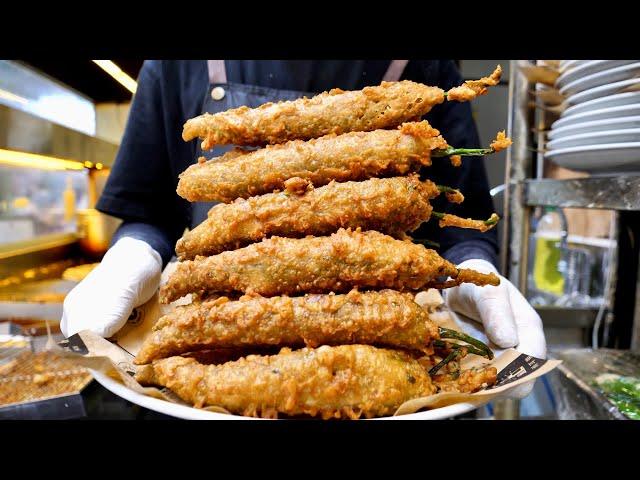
603 133
619 108
587 148
190 413
621 84
601 121
566 72
577 81
599 99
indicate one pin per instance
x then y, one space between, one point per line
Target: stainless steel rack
527 190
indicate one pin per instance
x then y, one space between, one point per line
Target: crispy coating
456 160
346 381
501 142
474 88
469 381
336 111
389 205
386 318
449 220
340 262
352 156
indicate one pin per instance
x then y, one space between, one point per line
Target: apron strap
217 71
395 70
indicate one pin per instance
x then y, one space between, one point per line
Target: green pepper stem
448 333
470 348
465 152
455 353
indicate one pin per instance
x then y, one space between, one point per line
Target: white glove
508 319
127 277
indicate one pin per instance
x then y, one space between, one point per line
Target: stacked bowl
599 130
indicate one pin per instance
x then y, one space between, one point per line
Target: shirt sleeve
456 124
141 187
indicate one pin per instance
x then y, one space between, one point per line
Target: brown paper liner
114 358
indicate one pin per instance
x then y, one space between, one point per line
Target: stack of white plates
599 132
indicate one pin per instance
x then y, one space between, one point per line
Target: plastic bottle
69 201
547 268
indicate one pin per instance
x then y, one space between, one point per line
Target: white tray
190 413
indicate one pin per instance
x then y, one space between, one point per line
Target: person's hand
507 318
127 277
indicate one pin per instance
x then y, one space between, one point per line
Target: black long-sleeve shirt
142 186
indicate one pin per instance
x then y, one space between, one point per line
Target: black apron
222 95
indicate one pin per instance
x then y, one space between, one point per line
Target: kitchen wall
111 119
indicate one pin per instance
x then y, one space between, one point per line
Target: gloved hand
127 277
508 319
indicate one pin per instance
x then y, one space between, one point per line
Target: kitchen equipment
587 68
603 113
95 230
603 91
604 102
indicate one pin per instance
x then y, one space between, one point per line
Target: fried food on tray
346 259
336 111
352 156
347 381
386 318
389 205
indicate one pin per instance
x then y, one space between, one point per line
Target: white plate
595 126
596 138
190 413
613 112
604 102
588 68
604 77
602 91
608 158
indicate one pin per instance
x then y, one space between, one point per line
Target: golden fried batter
346 259
469 381
336 111
449 220
352 156
501 142
474 88
346 381
389 205
385 318
456 160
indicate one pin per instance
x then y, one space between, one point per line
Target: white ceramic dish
613 112
609 101
190 413
604 77
588 68
621 123
609 158
596 138
603 91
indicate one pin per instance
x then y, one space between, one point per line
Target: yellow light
32 160
10 96
116 72
88 164
99 166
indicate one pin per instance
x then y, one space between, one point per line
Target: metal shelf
612 193
559 317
